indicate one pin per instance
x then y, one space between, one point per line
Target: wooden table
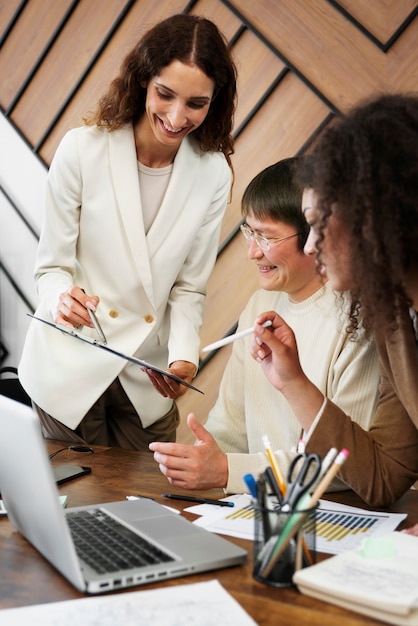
26 578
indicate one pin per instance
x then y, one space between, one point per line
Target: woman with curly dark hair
363 218
134 204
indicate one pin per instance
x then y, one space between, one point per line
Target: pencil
326 480
274 465
283 542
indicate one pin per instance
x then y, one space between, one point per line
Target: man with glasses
248 407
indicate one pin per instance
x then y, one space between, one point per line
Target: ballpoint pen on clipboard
96 324
132 359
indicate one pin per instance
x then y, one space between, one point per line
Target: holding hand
199 466
168 387
72 308
276 350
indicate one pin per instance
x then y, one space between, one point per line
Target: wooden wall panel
141 16
402 62
300 63
83 33
8 9
327 49
35 27
381 19
253 58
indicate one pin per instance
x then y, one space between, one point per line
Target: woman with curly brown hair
363 218
134 204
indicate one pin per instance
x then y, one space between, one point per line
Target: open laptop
173 546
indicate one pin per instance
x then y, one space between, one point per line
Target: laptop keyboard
108 546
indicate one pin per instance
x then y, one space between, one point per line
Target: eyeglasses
263 243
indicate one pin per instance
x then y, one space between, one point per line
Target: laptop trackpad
165 527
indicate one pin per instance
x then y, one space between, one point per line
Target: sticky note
378 547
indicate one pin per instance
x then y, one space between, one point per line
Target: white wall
22 182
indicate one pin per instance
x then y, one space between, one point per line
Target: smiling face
283 267
335 253
177 102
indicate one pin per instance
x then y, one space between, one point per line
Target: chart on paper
338 527
339 531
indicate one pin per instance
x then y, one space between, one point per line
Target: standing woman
134 204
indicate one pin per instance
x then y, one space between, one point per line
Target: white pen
325 465
231 338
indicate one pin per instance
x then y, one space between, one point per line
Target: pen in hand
96 325
231 338
174 496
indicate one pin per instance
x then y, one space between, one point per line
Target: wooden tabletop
26 578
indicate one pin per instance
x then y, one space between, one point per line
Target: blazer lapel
178 194
124 170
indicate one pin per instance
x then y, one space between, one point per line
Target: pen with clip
96 325
174 496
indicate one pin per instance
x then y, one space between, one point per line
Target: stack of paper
380 579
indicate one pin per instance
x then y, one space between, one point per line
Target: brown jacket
383 462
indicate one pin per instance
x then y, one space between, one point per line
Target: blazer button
149 319
113 313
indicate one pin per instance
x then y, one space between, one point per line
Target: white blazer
151 286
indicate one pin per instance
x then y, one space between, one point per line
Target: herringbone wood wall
300 63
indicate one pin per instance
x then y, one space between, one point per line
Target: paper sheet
384 586
196 604
338 527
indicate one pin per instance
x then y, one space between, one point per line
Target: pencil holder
283 543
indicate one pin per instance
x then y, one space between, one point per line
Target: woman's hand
72 308
276 350
168 387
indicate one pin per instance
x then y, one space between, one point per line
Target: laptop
157 543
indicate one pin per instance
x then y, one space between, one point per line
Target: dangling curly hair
187 38
364 171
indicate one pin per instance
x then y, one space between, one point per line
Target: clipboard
132 359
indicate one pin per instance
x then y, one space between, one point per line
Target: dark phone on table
68 472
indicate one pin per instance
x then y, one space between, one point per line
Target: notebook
379 579
164 545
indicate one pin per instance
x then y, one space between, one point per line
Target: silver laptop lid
25 471
29 491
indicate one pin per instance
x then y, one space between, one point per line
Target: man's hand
199 466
